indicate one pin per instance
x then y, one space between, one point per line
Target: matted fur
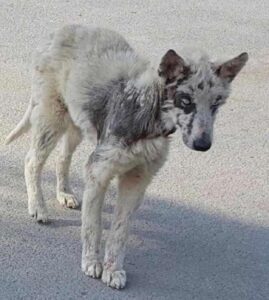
89 82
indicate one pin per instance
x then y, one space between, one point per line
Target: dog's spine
22 127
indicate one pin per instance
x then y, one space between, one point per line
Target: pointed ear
171 66
231 68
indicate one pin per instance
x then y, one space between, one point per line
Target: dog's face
197 90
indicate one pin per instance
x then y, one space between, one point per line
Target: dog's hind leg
70 141
132 186
45 135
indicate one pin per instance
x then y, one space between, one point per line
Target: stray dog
89 82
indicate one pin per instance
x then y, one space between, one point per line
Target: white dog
91 83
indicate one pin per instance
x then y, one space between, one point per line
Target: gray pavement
203 230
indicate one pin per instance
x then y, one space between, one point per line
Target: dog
89 82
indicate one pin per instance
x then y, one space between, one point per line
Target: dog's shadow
177 252
174 252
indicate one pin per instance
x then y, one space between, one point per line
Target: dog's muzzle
203 143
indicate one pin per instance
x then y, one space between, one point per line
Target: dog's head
197 90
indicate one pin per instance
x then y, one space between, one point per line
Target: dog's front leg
97 180
132 186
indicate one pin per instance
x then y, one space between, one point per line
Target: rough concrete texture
202 232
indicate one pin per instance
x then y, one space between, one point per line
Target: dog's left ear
231 68
171 66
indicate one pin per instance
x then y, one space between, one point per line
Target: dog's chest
149 151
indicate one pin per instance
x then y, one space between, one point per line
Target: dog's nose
202 144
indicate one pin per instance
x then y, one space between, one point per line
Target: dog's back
97 54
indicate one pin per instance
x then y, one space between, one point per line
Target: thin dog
89 82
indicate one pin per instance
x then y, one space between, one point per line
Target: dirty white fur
68 55
70 141
66 68
135 169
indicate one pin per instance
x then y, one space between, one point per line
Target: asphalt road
202 232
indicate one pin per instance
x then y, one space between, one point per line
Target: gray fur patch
135 114
45 139
121 110
101 99
201 85
190 123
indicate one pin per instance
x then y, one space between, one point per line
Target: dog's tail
22 127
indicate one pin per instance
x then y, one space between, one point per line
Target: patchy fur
89 82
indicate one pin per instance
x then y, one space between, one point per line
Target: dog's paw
115 279
67 200
93 270
39 213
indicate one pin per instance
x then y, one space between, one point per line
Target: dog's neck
150 92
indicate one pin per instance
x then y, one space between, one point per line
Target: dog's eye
219 98
214 107
186 101
182 99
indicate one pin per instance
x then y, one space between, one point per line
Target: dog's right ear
171 66
232 67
